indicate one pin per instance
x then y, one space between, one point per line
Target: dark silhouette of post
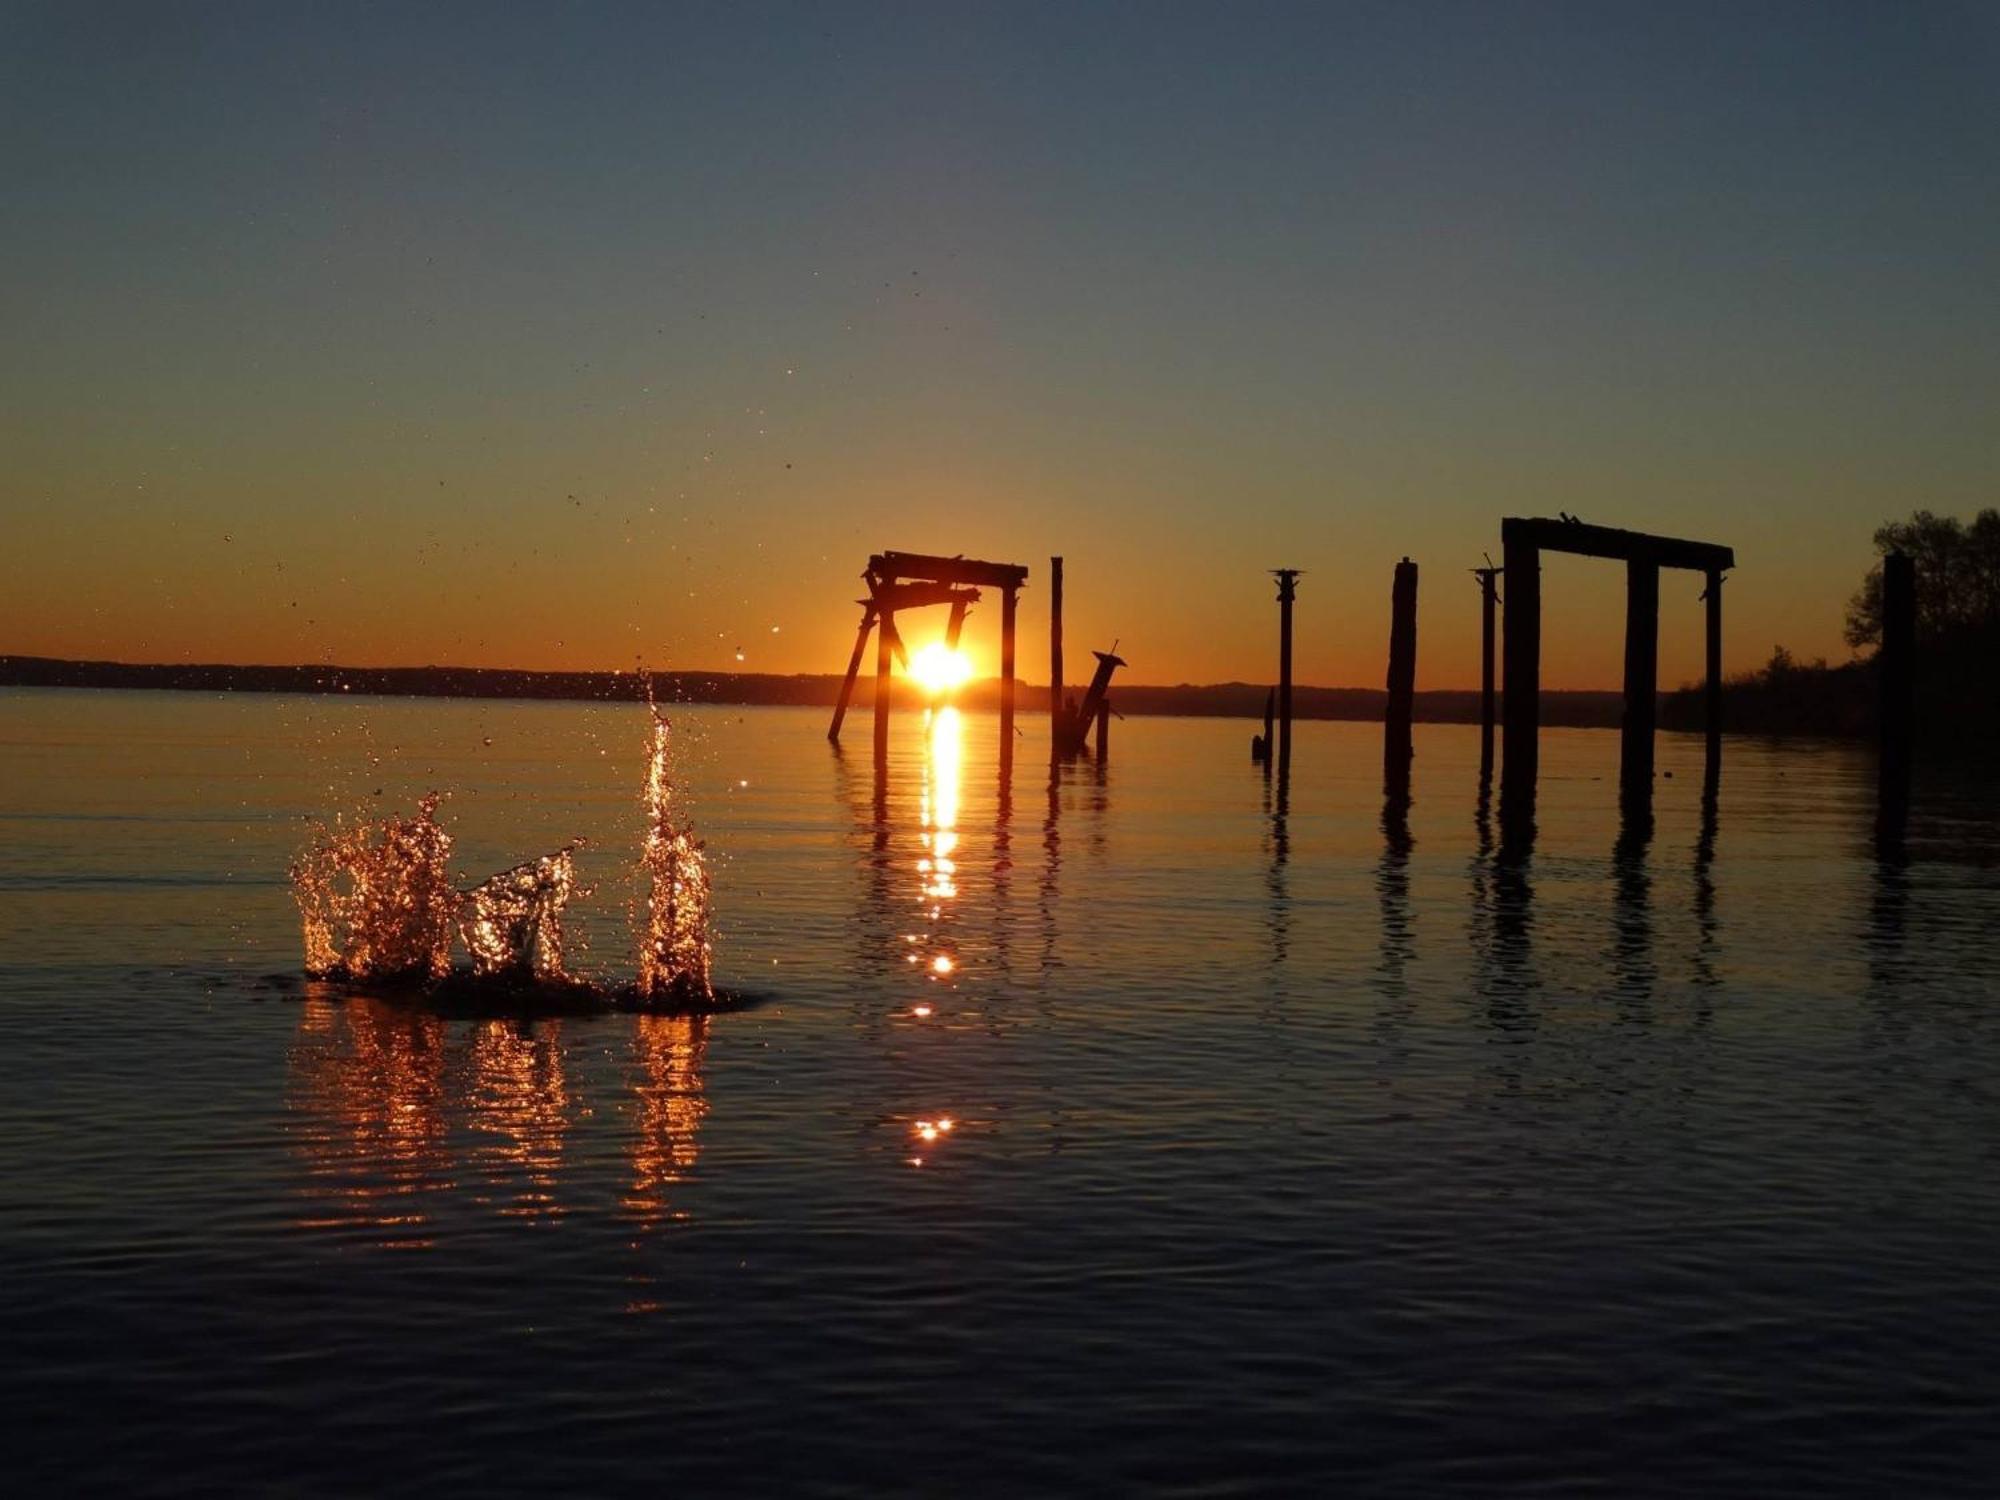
1523 684
1895 666
885 635
1489 596
1712 684
1103 728
955 625
1260 747
853 671
1642 674
1057 729
1007 601
1288 582
1100 683
1396 743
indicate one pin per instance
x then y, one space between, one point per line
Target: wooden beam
1608 541
893 566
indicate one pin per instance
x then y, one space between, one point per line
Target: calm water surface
1287 1152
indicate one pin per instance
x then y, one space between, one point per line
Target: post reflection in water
1632 921
1392 892
1278 850
1706 942
367 1097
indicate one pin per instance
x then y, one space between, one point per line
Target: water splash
512 922
376 901
674 946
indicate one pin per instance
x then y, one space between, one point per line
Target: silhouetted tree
1958 578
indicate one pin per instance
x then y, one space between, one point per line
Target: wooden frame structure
1523 540
914 580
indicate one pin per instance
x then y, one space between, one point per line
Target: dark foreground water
1284 1155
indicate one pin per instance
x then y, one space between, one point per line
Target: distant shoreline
1237 700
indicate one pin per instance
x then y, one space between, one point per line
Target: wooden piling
1642 667
1488 599
1103 728
1521 661
1712 685
853 671
885 639
1288 582
1058 730
1008 599
1895 666
1396 742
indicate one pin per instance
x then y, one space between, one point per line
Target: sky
598 336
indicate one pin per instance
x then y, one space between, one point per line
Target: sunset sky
587 336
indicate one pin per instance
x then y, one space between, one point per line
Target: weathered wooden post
1396 743
1489 596
1008 597
1522 663
1100 683
1895 666
853 670
1103 728
1058 731
1260 748
1642 667
1288 582
1712 685
885 637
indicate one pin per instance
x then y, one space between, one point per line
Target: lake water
1284 1156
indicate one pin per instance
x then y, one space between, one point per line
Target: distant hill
1239 700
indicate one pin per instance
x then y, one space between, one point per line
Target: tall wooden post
1521 661
853 671
1057 729
885 636
1488 598
1103 728
1396 743
1712 687
955 626
1642 668
1288 582
1007 602
1895 666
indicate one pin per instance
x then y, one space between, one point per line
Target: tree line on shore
1957 638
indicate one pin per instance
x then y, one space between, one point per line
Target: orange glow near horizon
940 669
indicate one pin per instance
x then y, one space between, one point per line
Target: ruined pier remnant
1396 743
1058 729
1489 597
1895 667
1288 584
911 580
1094 709
1523 540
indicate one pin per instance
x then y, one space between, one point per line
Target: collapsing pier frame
1523 540
912 580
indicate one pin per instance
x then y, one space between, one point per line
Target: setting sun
939 669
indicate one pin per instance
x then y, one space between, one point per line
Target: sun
938 669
